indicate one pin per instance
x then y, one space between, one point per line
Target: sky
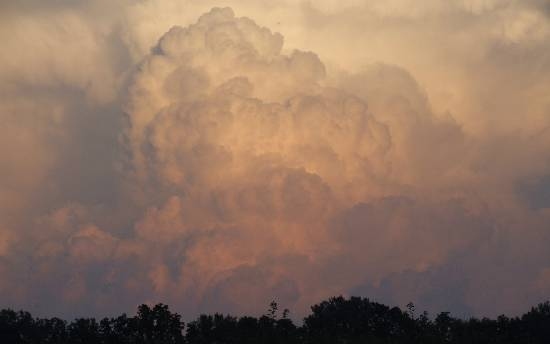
217 155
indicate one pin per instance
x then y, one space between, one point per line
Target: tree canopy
337 320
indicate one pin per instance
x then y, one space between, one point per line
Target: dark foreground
338 320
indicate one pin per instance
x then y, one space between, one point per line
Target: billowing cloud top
214 167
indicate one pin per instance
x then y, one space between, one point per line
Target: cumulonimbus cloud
264 158
245 172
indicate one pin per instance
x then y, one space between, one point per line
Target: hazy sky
217 155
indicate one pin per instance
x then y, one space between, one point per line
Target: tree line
338 320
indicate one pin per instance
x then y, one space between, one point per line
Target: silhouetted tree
84 331
52 331
355 320
336 321
536 322
157 326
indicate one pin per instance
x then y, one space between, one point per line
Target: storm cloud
183 153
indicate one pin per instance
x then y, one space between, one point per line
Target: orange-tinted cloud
244 170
